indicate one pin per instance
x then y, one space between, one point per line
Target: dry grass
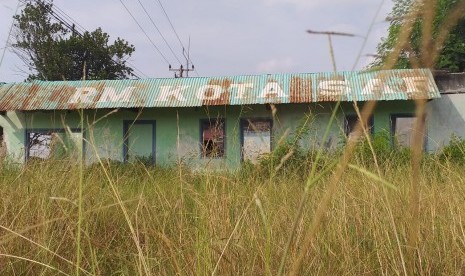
238 222
392 218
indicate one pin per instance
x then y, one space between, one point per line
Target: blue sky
227 37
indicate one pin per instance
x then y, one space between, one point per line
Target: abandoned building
217 121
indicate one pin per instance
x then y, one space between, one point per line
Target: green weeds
227 223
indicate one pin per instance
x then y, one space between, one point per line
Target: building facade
203 122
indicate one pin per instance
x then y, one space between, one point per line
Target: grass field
401 213
142 220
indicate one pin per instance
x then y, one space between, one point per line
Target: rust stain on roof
223 99
300 90
61 96
233 90
31 97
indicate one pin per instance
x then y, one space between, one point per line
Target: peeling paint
406 84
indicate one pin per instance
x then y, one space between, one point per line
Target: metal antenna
329 34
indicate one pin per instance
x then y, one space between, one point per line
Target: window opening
213 137
57 144
350 123
3 152
403 127
256 139
39 145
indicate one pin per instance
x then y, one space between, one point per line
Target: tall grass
323 213
230 223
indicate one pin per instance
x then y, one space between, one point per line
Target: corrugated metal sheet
235 90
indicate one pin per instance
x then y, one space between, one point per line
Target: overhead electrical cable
171 24
81 32
145 33
136 69
9 34
176 33
78 29
60 11
61 16
159 32
84 30
58 14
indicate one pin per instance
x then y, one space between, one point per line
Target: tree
54 52
434 32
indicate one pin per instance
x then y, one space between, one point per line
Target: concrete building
446 116
216 121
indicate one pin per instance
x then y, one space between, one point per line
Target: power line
57 12
171 24
72 28
69 17
59 17
176 33
9 34
51 12
83 30
159 32
136 69
145 33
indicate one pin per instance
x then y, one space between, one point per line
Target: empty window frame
2 139
255 138
58 143
2 143
402 127
212 137
350 123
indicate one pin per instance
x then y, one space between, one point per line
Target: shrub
455 151
288 154
383 149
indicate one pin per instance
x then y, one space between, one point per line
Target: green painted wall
13 131
178 129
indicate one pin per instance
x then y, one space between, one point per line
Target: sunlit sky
227 37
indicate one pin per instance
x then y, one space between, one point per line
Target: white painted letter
377 86
214 92
272 89
241 88
418 85
110 95
333 87
83 95
167 92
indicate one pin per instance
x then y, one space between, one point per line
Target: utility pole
181 69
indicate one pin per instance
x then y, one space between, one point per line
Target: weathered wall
446 117
13 131
178 129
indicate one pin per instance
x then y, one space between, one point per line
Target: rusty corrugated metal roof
235 90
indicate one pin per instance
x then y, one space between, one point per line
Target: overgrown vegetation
368 208
230 223
455 151
436 35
